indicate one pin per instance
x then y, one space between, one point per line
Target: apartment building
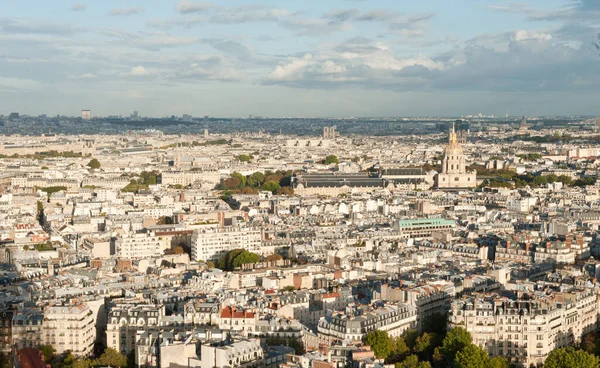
212 243
124 322
201 313
526 331
27 328
139 246
355 323
70 328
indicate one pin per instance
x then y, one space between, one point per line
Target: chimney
527 246
568 241
508 244
548 245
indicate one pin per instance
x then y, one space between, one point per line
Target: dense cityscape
471 242
299 184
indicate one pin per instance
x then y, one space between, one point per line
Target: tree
380 343
245 258
271 186
569 357
331 159
289 288
236 258
6 360
94 164
424 344
286 191
412 361
436 323
498 362
399 350
471 356
240 177
210 265
274 257
256 179
590 343
232 183
296 344
175 250
456 339
48 352
244 158
110 358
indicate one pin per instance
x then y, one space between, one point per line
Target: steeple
452 137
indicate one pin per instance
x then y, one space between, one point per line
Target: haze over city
335 58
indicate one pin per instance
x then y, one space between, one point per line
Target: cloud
84 76
314 27
515 61
522 35
138 71
230 47
249 14
125 12
19 84
357 61
28 26
78 7
188 6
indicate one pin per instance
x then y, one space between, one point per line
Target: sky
292 58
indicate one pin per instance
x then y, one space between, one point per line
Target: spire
452 137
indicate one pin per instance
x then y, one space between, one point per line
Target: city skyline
300 58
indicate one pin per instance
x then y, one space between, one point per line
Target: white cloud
125 12
188 6
522 35
83 76
138 71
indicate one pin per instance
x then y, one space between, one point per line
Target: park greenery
504 178
47 154
432 348
278 182
215 142
145 179
571 357
109 358
530 156
94 164
245 158
236 258
331 159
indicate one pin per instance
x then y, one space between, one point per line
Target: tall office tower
86 114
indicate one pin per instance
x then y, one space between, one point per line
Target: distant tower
86 114
89 147
325 132
205 133
598 122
